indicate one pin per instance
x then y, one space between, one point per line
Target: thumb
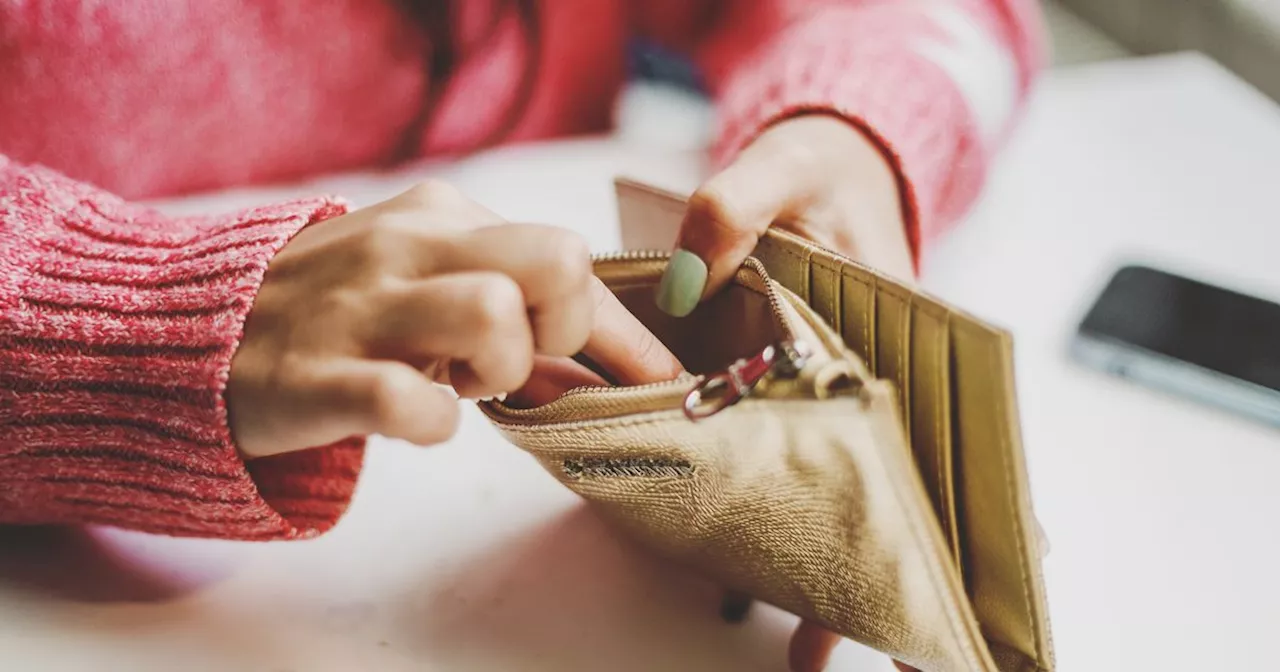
725 218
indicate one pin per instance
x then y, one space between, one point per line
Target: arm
117 330
935 84
134 347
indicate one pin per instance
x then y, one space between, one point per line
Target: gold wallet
843 447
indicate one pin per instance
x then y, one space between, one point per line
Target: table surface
1163 516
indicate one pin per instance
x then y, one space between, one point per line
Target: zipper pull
719 391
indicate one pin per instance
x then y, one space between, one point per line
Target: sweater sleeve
935 83
117 329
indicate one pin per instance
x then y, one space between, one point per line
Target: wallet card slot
893 345
858 314
787 266
824 290
1000 569
931 412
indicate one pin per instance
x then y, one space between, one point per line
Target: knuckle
572 259
388 394
498 301
563 339
433 192
514 369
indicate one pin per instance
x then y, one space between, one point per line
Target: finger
353 397
552 267
479 319
621 345
722 224
811 647
551 378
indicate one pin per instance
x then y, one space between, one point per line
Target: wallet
843 447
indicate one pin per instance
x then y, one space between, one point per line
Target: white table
1164 517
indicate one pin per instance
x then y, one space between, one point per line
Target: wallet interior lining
733 324
931 414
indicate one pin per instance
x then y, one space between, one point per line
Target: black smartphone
1187 337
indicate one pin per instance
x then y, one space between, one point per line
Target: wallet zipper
782 368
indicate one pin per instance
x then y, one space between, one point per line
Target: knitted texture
290 89
117 328
118 324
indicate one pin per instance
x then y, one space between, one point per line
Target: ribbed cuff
117 329
861 66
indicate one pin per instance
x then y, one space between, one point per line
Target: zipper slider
719 391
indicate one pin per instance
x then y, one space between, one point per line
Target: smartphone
1187 337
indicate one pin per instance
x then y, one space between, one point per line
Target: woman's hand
816 175
360 317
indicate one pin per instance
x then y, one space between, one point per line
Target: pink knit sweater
118 324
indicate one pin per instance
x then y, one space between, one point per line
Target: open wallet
843 447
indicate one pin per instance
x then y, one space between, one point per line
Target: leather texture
896 512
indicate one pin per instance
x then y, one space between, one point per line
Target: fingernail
682 284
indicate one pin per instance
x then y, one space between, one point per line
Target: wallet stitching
924 305
904 358
837 298
1017 522
637 467
866 318
900 375
869 332
944 437
943 478
837 315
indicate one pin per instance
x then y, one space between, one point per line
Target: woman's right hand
361 316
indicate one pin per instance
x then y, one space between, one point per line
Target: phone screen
1214 328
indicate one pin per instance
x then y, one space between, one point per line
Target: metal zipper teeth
649 394
631 255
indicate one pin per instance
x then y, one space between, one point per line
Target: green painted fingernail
682 283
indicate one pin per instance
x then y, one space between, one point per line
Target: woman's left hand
816 175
